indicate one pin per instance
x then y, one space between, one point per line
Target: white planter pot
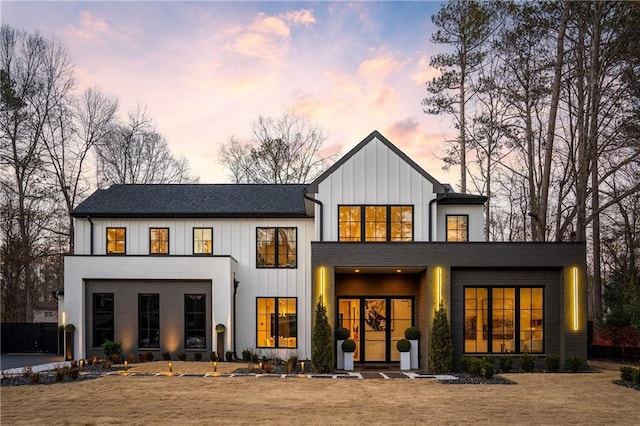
405 360
340 355
414 355
348 361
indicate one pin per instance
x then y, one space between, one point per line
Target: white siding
476 220
376 175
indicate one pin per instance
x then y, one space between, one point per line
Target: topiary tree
322 342
440 347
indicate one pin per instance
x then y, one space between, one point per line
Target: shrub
254 357
636 376
527 363
182 356
27 371
74 373
166 356
148 356
627 373
115 358
131 358
412 333
35 378
197 356
321 342
349 345
506 363
213 356
574 363
487 369
552 363
403 345
106 364
440 348
61 373
111 348
228 356
472 366
246 354
342 333
141 357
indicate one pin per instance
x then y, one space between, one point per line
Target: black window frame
446 227
96 341
124 241
197 315
276 265
363 223
157 228
275 325
149 329
193 234
517 329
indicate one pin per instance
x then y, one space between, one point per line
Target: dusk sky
206 70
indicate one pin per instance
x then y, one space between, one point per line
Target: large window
202 240
103 318
503 319
116 239
195 321
457 228
159 240
277 322
380 223
149 320
276 247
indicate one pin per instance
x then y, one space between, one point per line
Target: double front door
376 324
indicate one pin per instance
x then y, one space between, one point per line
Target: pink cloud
378 68
300 17
270 25
90 27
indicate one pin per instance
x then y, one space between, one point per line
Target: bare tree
286 150
135 153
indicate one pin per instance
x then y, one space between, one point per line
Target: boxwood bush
574 363
506 363
552 362
527 363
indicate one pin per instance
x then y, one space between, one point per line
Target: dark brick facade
549 265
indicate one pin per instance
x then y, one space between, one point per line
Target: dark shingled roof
458 198
198 200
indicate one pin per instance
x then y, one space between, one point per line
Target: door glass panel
400 321
349 318
375 327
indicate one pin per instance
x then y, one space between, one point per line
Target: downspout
90 235
235 290
318 202
431 218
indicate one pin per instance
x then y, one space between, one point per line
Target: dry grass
536 399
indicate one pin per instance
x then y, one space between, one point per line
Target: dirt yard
537 398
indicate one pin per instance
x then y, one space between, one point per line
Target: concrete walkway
14 363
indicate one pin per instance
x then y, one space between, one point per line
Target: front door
376 324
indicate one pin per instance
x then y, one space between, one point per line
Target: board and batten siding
235 238
476 220
375 175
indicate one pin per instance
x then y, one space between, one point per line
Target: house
375 238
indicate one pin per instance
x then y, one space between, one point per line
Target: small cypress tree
322 342
440 347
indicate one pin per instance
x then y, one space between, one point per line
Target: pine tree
440 348
322 343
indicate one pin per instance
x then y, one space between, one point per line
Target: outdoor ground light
81 363
302 366
215 366
126 365
170 368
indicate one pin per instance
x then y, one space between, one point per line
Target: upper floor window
457 228
379 223
159 240
202 240
276 247
116 239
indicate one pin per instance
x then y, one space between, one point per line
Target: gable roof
437 186
195 200
459 198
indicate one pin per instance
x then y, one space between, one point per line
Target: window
498 320
102 318
195 321
202 240
277 322
116 238
380 223
276 247
457 228
149 320
159 240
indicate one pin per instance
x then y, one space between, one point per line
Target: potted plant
404 347
413 334
342 334
348 347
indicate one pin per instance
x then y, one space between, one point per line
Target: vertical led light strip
322 283
575 299
439 279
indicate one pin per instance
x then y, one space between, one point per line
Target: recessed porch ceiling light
357 270
398 270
